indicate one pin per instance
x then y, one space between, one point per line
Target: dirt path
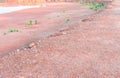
49 19
90 49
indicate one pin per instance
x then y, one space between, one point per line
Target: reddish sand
50 18
90 49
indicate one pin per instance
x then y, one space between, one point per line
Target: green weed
31 22
67 20
94 6
11 31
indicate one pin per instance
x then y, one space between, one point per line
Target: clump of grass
31 22
94 6
67 20
98 6
11 31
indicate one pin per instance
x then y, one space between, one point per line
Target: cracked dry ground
90 49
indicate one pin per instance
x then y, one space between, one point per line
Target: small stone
1 66
39 40
109 7
21 77
18 50
11 53
4 57
34 46
25 49
31 45
64 33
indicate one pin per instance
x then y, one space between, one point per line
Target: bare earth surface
49 19
90 49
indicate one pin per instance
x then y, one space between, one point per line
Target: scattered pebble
31 45
64 33
39 41
21 77
25 49
1 66
18 50
109 7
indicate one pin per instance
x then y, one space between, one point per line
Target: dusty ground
90 49
49 19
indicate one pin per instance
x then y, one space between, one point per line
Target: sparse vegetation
67 20
94 6
11 31
31 22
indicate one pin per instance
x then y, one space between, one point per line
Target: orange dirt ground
49 19
88 49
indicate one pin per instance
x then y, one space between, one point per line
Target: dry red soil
49 19
88 49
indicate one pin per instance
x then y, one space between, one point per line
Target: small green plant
98 6
67 20
31 22
93 6
11 31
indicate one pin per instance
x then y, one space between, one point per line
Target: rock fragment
31 45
